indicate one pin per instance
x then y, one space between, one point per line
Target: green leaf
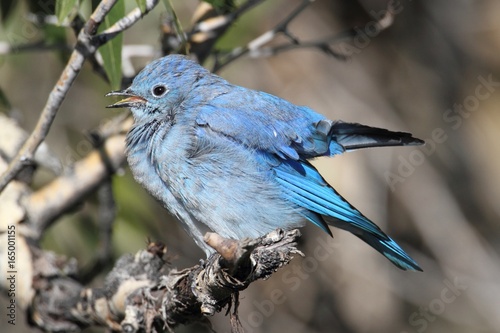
64 8
111 51
142 5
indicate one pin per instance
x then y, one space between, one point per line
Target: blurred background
435 72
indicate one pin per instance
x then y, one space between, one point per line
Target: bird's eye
159 90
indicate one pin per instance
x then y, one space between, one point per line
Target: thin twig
280 28
256 48
211 26
25 155
322 44
86 45
126 22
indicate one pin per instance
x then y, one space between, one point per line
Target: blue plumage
235 161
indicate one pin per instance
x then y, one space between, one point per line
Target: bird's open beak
131 99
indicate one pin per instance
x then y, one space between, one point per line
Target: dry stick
25 155
85 46
256 47
126 22
262 39
210 26
57 95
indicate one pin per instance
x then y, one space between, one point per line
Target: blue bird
234 161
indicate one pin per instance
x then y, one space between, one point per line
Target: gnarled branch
143 293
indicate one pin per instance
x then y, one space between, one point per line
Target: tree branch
142 293
45 205
25 155
85 46
126 22
256 47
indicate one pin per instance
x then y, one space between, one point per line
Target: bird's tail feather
380 242
303 185
351 136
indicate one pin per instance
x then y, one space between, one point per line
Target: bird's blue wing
268 123
265 122
304 186
285 136
307 188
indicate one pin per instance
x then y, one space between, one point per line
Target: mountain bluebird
235 161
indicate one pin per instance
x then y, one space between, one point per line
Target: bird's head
160 87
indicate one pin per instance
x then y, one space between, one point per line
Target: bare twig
256 47
86 45
58 93
322 44
126 22
280 28
210 26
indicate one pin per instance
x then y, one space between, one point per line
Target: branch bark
143 293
